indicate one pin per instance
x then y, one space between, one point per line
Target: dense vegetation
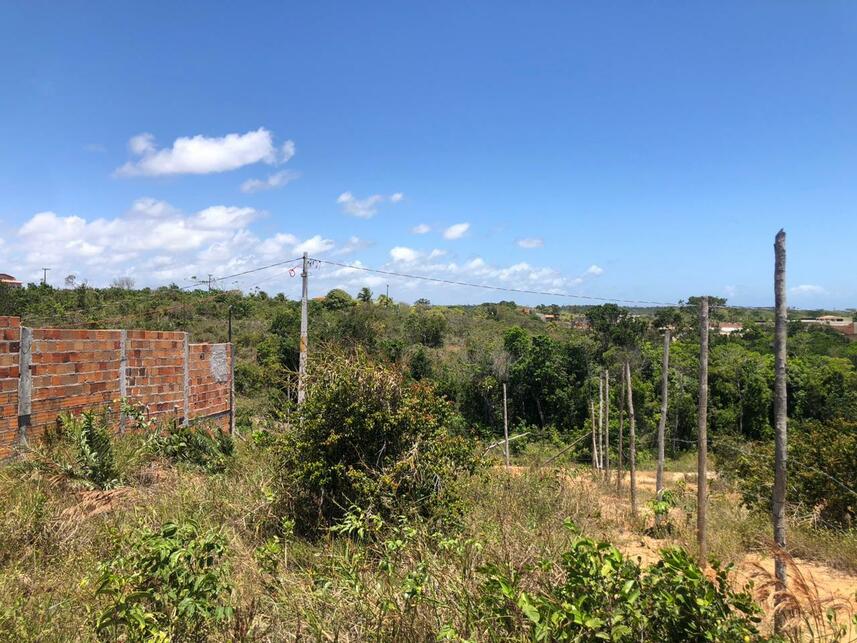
369 511
550 368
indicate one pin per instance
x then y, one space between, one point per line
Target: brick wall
45 371
210 381
10 348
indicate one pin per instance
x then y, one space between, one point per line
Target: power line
527 291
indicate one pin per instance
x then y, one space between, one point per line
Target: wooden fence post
633 438
702 438
778 506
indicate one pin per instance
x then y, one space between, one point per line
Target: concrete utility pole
303 344
780 423
506 423
702 437
662 424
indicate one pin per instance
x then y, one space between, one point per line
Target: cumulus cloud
201 154
314 245
368 207
594 270
154 242
276 180
456 231
808 289
531 242
421 228
402 254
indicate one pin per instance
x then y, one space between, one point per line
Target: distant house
9 280
727 328
581 323
844 325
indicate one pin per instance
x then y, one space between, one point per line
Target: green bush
89 435
170 585
366 438
605 596
196 445
822 469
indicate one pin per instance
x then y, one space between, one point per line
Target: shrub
196 445
824 491
170 585
89 434
365 438
605 596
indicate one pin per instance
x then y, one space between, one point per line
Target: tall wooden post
506 423
594 435
662 424
607 424
601 421
633 438
702 437
780 421
303 340
231 375
621 433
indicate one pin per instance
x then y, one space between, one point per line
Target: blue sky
630 150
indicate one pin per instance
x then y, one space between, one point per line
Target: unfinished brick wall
45 371
210 382
10 348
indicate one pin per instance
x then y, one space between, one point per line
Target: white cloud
808 289
155 243
276 244
403 254
149 207
142 144
352 245
456 231
199 154
437 252
422 228
288 151
314 245
594 270
276 180
368 207
531 242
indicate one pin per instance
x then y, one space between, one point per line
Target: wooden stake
633 439
780 424
662 424
506 423
594 438
619 471
601 421
607 424
702 438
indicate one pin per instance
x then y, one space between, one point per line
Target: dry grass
409 584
